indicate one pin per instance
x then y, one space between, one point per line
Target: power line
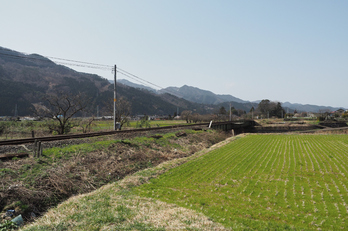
49 57
70 62
131 77
139 78
94 64
146 83
73 62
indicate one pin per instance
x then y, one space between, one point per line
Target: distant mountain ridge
197 95
200 96
130 84
26 80
190 93
309 107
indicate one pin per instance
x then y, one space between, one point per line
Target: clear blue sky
294 51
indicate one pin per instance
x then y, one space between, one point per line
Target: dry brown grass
63 177
148 212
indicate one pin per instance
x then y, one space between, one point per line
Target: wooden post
32 134
35 147
39 149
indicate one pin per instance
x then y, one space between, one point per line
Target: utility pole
115 98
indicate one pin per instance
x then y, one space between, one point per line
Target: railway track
92 134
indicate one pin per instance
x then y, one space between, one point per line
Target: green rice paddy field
264 182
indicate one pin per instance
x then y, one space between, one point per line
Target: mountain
197 95
40 71
308 107
200 96
26 80
192 94
130 84
145 102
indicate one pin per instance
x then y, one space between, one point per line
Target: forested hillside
25 80
197 95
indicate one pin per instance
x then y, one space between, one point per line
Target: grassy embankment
257 182
115 207
33 184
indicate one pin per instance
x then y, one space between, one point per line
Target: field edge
119 194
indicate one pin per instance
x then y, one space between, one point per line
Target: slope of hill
145 102
197 95
189 93
42 72
130 84
27 79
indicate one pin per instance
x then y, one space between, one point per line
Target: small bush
7 225
54 127
28 124
143 123
3 127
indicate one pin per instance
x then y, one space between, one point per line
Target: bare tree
62 107
186 115
123 110
196 117
86 124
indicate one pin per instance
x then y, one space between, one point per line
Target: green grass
162 123
259 182
79 168
84 148
23 129
108 124
115 207
264 182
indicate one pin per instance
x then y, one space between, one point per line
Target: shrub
55 128
3 127
7 225
144 123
